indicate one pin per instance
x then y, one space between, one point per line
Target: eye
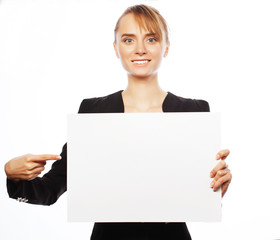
151 40
128 40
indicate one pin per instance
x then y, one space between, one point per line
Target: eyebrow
133 35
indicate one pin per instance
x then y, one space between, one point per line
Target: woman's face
140 52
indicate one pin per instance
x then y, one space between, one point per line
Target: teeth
141 62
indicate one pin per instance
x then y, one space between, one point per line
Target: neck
143 93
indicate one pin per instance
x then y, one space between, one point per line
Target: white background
55 53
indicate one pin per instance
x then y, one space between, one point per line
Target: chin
141 73
141 76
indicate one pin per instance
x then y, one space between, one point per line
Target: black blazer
47 189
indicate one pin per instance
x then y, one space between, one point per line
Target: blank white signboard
142 167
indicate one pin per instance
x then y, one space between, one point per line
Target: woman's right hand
28 166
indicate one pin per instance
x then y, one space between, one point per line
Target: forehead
128 24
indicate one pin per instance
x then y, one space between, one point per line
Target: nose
140 48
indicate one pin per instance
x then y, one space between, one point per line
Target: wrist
7 171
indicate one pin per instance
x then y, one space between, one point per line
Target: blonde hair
149 19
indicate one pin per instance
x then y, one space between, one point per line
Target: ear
166 49
116 50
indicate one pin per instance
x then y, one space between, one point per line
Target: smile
140 62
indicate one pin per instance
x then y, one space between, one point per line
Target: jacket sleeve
203 105
47 189
42 190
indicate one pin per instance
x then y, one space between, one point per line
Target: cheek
125 56
157 53
125 52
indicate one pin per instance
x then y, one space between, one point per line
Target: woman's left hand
221 174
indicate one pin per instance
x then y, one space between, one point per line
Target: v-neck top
113 103
162 106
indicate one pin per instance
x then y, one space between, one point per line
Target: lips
140 61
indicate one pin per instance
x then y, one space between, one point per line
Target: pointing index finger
44 157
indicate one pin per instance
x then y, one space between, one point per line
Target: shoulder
103 104
182 104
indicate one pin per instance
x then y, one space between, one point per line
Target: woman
141 42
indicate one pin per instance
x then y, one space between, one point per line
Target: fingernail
59 157
212 184
211 174
217 156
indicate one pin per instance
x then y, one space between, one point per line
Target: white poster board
142 167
